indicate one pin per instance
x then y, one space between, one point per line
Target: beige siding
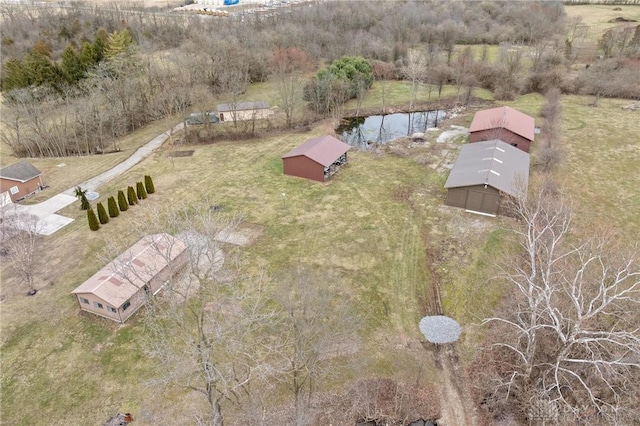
155 284
91 306
245 115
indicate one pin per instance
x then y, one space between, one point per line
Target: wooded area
77 78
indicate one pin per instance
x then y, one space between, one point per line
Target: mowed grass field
372 225
597 16
595 20
79 369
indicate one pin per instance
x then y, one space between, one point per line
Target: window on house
14 190
111 309
98 305
126 305
85 301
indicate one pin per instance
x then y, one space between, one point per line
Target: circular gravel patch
440 329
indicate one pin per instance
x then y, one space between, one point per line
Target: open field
602 152
379 225
358 225
596 18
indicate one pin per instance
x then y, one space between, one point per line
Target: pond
379 129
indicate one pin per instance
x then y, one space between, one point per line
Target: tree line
62 98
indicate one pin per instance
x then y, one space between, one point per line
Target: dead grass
596 17
64 173
370 225
352 225
601 153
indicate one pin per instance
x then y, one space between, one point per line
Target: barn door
474 201
482 202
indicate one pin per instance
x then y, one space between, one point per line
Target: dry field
379 225
596 18
160 4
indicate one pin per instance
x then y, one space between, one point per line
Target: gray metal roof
243 106
21 171
494 163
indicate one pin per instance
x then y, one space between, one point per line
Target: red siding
304 167
504 135
24 189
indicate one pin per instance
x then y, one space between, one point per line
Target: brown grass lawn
601 154
353 225
596 17
63 173
371 225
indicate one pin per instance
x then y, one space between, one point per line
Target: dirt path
456 404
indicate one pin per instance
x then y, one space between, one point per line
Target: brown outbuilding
316 159
504 123
484 173
20 179
121 287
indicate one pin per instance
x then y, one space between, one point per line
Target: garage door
474 201
482 202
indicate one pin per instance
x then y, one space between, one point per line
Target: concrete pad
448 135
52 223
243 235
54 204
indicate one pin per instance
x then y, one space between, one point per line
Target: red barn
316 159
504 123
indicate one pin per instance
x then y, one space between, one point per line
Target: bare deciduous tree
414 68
462 70
315 326
569 338
289 67
383 72
549 154
574 32
20 239
511 67
206 328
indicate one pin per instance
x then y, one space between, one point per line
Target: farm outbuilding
122 286
244 111
504 123
316 159
484 173
20 179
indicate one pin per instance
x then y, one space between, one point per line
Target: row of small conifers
132 197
